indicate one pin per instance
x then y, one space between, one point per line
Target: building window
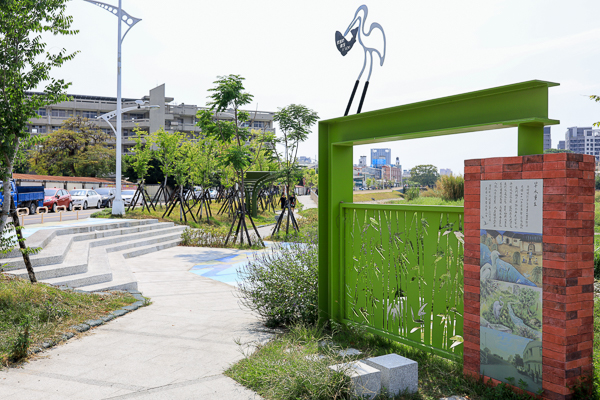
41 112
89 114
60 113
135 116
38 129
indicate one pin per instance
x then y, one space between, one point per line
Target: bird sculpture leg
362 98
351 98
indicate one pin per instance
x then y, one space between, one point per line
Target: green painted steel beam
523 105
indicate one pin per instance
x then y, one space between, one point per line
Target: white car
127 196
86 198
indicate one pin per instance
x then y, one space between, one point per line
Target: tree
78 148
425 175
227 97
596 98
141 155
311 178
553 151
24 65
295 122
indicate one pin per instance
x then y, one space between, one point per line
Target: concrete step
176 235
92 257
123 278
77 280
56 251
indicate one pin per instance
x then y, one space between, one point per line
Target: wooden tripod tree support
163 192
141 191
24 250
287 210
176 198
240 218
204 201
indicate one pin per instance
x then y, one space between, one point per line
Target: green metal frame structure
522 105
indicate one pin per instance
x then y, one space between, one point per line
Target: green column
335 187
531 139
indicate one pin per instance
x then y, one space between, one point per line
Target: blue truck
31 197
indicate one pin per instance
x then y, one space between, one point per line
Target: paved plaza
176 348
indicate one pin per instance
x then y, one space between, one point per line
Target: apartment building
381 157
391 173
583 140
170 115
547 138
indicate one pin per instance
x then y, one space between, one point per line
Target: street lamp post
122 16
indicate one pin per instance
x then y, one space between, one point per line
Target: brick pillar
568 270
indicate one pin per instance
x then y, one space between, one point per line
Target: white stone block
349 352
397 373
366 380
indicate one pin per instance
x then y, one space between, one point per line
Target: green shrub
451 187
412 193
22 341
280 285
213 236
431 193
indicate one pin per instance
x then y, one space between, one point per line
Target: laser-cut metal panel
402 274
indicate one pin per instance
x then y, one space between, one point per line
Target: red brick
555 157
473 162
512 167
512 175
488 169
492 161
554 173
492 176
532 175
533 167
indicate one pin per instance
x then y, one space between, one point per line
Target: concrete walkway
176 348
307 202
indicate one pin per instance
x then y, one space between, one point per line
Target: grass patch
31 314
432 201
309 228
369 196
280 369
218 223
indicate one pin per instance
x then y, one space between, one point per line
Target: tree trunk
21 240
6 191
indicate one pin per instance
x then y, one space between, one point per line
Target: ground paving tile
176 348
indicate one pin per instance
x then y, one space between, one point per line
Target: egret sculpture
359 32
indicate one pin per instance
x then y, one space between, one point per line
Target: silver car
86 198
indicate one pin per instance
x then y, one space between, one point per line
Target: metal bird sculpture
359 32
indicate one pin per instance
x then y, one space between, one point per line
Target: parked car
108 196
54 197
127 196
86 197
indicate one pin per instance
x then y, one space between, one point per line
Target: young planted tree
224 121
78 148
140 162
25 64
202 171
166 155
184 157
295 122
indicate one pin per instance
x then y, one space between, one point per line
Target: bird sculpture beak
354 21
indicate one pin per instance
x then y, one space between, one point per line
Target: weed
22 342
451 187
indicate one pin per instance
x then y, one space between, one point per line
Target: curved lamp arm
129 20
